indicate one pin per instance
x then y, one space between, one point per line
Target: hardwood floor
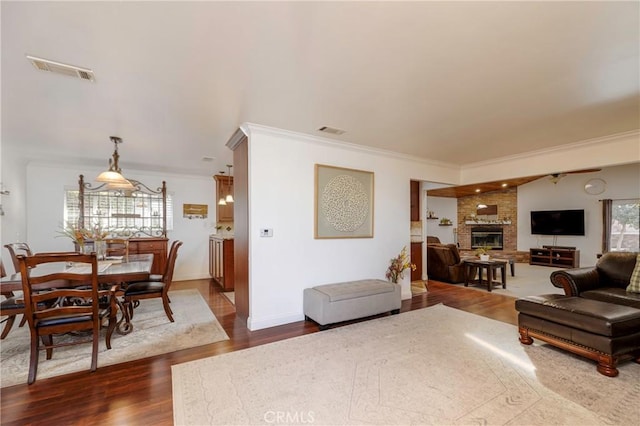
139 392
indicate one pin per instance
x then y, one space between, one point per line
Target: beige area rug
436 365
529 280
231 295
153 334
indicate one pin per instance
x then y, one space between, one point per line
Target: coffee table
491 266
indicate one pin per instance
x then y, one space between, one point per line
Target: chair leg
112 326
167 309
94 351
7 327
47 340
129 305
23 321
33 359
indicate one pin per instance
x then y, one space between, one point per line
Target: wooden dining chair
151 289
65 310
16 249
10 307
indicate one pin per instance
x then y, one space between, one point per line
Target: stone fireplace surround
507 202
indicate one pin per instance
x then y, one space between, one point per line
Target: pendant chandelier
222 201
113 177
229 197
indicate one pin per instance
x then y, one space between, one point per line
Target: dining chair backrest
3 272
82 283
74 308
16 249
167 277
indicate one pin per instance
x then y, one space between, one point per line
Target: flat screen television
557 222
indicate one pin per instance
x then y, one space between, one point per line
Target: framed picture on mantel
343 203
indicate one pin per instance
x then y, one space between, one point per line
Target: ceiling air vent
64 69
331 130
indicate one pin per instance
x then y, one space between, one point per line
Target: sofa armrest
575 281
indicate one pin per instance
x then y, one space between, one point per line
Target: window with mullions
122 214
622 225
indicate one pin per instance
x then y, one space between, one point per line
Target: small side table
491 266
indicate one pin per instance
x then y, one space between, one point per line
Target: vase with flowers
398 265
87 240
75 234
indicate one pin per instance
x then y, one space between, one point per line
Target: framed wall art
343 203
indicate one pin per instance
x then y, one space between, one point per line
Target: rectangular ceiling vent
331 130
64 69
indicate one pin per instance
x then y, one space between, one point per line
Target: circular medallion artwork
345 203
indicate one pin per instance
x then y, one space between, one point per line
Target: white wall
281 197
442 207
41 216
623 182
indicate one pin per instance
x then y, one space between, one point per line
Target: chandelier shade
113 176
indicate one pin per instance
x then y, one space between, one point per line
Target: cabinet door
415 201
211 256
155 246
416 259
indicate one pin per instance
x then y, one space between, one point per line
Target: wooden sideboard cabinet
155 246
552 256
221 261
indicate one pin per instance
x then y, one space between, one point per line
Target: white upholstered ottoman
332 303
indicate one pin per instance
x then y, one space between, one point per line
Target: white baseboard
266 322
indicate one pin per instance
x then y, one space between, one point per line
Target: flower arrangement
398 265
80 235
74 233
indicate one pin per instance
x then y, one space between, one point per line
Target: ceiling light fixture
229 197
222 201
113 177
555 177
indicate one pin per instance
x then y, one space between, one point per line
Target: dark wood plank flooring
139 392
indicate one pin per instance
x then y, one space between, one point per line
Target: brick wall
507 202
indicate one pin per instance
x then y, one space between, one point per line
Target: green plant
445 221
483 250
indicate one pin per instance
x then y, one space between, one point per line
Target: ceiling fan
555 177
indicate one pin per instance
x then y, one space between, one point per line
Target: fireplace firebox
487 236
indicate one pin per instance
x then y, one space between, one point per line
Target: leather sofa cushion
615 295
614 269
594 316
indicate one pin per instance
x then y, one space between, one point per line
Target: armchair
606 281
444 263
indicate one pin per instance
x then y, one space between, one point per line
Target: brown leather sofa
444 263
595 318
606 282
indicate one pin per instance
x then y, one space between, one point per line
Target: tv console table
559 257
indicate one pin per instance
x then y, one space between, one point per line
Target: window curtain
606 225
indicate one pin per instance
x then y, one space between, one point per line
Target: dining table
118 270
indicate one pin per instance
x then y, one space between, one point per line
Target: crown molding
298 136
565 148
